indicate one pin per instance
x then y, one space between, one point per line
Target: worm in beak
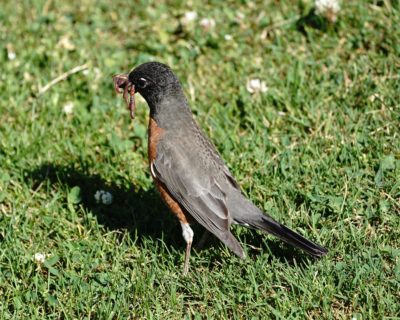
127 88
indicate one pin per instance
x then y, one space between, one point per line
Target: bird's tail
247 214
284 233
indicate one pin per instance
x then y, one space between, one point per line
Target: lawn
318 148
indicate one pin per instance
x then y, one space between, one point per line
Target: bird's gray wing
196 183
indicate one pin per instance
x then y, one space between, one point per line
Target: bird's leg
187 256
187 234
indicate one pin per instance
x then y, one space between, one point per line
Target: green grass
319 151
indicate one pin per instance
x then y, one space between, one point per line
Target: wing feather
195 188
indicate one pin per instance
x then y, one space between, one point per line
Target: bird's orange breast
155 133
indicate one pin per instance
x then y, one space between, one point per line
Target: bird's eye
142 83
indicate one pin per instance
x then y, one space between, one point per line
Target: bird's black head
154 81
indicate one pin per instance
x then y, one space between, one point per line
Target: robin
187 169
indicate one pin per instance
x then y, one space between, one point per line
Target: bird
187 169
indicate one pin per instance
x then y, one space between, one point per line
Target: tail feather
245 213
291 237
232 243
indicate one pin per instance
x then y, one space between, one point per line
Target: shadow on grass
259 242
139 211
314 21
143 214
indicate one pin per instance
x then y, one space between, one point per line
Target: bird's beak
123 85
120 81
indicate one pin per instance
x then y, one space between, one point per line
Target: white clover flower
68 108
66 43
39 257
327 8
104 197
11 55
207 23
189 17
256 85
240 16
228 37
97 195
107 198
